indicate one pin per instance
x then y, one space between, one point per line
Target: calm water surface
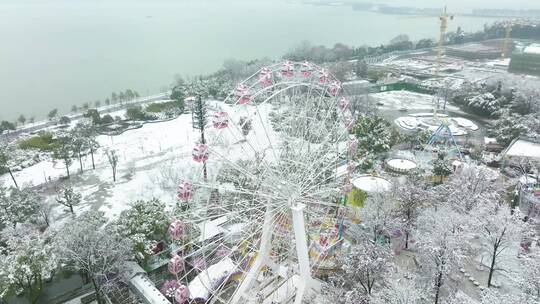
59 53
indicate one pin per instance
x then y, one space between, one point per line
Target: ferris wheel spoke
319 166
336 127
305 116
312 178
262 159
239 190
235 251
233 164
288 86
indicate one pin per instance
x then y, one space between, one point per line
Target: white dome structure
371 184
401 165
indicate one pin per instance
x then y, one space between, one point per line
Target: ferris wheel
264 210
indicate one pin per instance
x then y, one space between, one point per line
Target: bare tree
366 267
498 229
45 212
98 252
411 196
113 161
67 197
378 215
442 245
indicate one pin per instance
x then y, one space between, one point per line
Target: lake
59 53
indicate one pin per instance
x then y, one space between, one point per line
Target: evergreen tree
4 163
53 114
144 224
63 150
29 260
17 206
98 252
200 119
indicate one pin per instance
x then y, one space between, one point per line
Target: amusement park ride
266 213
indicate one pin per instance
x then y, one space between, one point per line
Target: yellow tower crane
444 18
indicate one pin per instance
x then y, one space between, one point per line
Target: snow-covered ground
152 160
394 100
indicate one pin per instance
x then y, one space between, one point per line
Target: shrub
176 106
94 115
107 119
137 113
64 120
43 142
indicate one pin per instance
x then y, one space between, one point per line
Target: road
28 128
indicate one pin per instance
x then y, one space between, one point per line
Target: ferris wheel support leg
261 259
301 250
300 291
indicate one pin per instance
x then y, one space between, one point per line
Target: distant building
474 51
356 87
522 149
526 60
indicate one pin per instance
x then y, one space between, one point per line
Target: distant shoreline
428 12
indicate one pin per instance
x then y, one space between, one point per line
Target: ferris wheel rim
282 89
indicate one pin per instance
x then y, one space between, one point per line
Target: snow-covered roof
466 123
356 82
528 179
523 148
532 49
147 290
401 164
209 229
201 286
370 183
490 140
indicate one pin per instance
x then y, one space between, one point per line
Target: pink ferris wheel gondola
323 240
177 229
242 94
324 76
220 120
352 146
335 231
307 69
288 69
176 265
200 153
265 77
334 88
341 212
199 263
346 188
185 191
351 167
343 104
349 124
181 295
222 252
